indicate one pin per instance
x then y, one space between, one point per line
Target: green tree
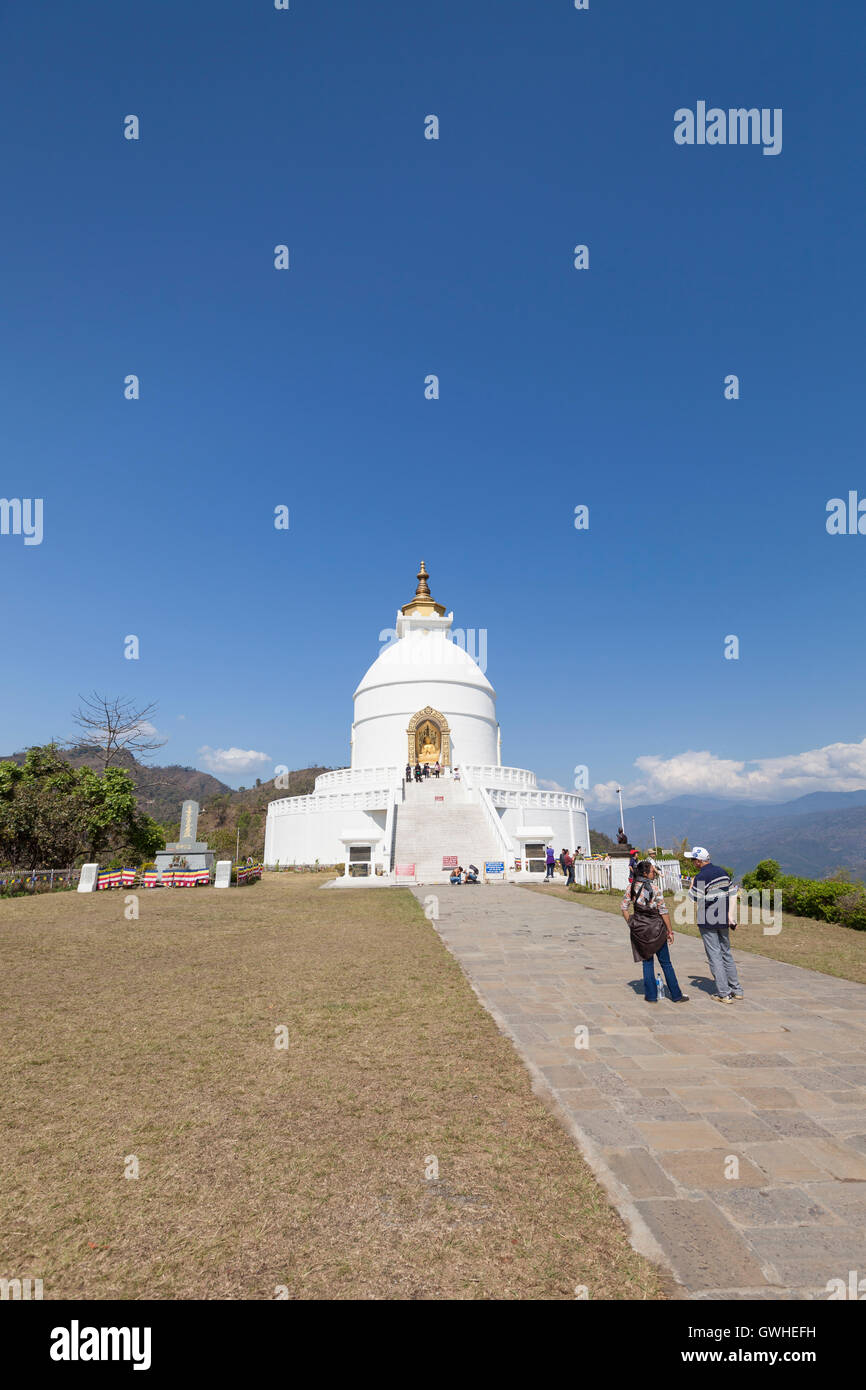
52 813
110 815
599 843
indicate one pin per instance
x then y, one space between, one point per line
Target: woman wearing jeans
650 929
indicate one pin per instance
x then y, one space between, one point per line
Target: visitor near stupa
650 930
710 890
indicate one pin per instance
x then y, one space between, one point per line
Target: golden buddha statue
428 744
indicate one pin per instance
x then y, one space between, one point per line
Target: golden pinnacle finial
423 605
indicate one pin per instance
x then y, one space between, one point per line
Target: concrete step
428 830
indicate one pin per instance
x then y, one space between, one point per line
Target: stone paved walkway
665 1096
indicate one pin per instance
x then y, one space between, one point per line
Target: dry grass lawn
823 946
260 1167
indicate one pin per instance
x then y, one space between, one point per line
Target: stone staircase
428 830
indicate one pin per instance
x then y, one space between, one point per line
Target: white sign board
87 879
223 876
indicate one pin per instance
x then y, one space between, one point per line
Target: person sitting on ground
456 875
471 874
650 930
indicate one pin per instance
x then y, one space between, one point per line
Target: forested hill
161 790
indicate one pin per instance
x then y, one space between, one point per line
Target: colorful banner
248 871
185 878
118 878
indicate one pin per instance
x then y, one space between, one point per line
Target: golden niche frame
429 715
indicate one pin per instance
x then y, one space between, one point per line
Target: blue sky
557 387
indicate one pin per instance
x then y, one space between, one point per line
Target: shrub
809 897
825 900
852 909
764 875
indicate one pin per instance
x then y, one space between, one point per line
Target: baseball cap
698 853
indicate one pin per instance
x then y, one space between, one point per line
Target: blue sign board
494 867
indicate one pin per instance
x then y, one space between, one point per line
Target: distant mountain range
811 835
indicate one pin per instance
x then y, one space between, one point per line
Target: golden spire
423 604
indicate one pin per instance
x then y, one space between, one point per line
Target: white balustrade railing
362 776
487 775
543 800
501 837
369 799
670 875
593 873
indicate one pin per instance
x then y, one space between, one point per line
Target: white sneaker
722 998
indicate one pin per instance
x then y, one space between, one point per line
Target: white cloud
550 786
232 759
838 767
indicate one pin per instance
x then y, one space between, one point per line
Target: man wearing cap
710 889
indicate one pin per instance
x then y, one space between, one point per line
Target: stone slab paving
667 1102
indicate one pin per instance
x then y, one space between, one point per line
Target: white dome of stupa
426 677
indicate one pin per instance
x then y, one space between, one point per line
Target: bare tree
113 726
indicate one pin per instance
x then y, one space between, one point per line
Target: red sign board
450 862
438 798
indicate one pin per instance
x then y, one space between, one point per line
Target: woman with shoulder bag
650 930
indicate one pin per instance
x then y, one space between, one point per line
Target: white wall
302 839
381 721
557 820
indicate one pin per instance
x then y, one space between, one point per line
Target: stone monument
88 877
193 852
223 877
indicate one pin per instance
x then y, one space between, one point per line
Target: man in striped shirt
710 890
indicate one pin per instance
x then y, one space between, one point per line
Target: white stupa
425 701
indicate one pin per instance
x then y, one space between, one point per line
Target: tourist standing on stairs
550 860
710 890
408 772
650 930
437 768
418 773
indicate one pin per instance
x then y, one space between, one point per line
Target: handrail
388 846
495 823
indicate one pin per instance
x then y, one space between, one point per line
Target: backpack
642 893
